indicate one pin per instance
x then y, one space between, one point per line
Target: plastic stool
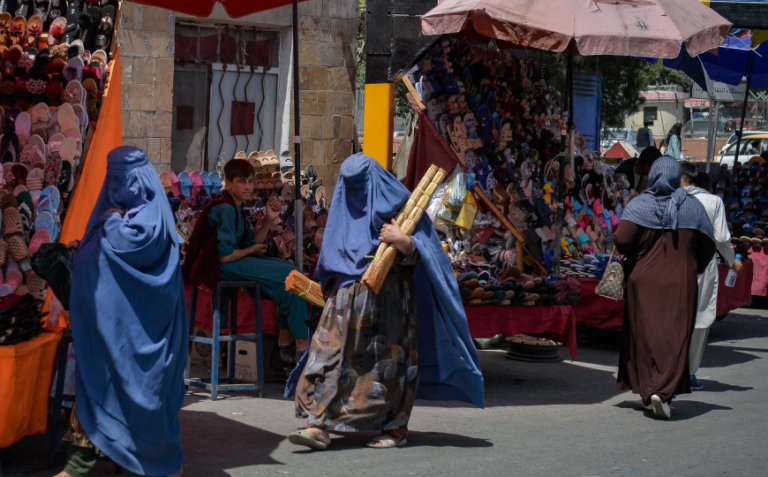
226 294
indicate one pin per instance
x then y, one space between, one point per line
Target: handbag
612 284
54 263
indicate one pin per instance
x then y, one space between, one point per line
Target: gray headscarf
664 205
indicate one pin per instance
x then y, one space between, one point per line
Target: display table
554 322
26 371
603 313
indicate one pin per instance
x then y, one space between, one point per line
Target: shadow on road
717 356
739 325
718 387
227 444
415 439
681 410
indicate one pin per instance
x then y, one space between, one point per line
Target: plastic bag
453 198
434 203
468 212
457 190
54 263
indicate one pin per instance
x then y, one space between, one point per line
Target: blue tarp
727 64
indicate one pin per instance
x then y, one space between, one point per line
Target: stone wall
146 46
327 40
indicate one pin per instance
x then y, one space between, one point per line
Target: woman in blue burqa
128 318
373 355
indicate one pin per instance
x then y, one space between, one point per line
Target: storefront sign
722 92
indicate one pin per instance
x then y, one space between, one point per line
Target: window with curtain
225 87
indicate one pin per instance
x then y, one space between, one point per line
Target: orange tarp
26 371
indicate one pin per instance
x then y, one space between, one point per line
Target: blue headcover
129 321
665 205
367 197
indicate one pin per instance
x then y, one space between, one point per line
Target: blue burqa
129 321
367 197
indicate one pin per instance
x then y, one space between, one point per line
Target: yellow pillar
379 122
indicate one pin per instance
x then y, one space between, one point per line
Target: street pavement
554 419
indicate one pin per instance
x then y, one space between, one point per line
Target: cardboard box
201 352
245 361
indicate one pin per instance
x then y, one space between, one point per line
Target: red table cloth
554 322
245 315
603 313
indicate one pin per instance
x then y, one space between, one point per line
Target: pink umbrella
649 28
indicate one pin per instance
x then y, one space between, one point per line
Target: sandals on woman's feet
386 442
308 439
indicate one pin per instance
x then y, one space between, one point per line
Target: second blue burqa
367 197
129 319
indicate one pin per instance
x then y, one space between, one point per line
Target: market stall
517 208
60 116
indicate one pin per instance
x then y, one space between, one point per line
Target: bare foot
63 474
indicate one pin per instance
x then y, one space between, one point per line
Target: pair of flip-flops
48 212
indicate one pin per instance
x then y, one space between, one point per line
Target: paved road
542 420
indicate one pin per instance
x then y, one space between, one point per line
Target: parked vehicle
751 145
732 138
612 135
699 127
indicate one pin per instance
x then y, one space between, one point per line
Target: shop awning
204 8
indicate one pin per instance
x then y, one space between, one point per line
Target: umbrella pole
750 65
560 211
714 108
298 205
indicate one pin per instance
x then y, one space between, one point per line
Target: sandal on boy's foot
308 439
386 442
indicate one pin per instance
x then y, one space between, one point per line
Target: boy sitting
224 246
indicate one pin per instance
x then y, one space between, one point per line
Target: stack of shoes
511 288
564 290
588 266
55 68
188 193
20 319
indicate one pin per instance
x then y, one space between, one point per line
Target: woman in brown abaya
667 240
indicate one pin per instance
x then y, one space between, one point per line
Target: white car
733 137
751 145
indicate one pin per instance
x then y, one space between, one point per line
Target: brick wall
327 40
147 67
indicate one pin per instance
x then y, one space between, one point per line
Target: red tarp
603 313
204 8
554 322
426 151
